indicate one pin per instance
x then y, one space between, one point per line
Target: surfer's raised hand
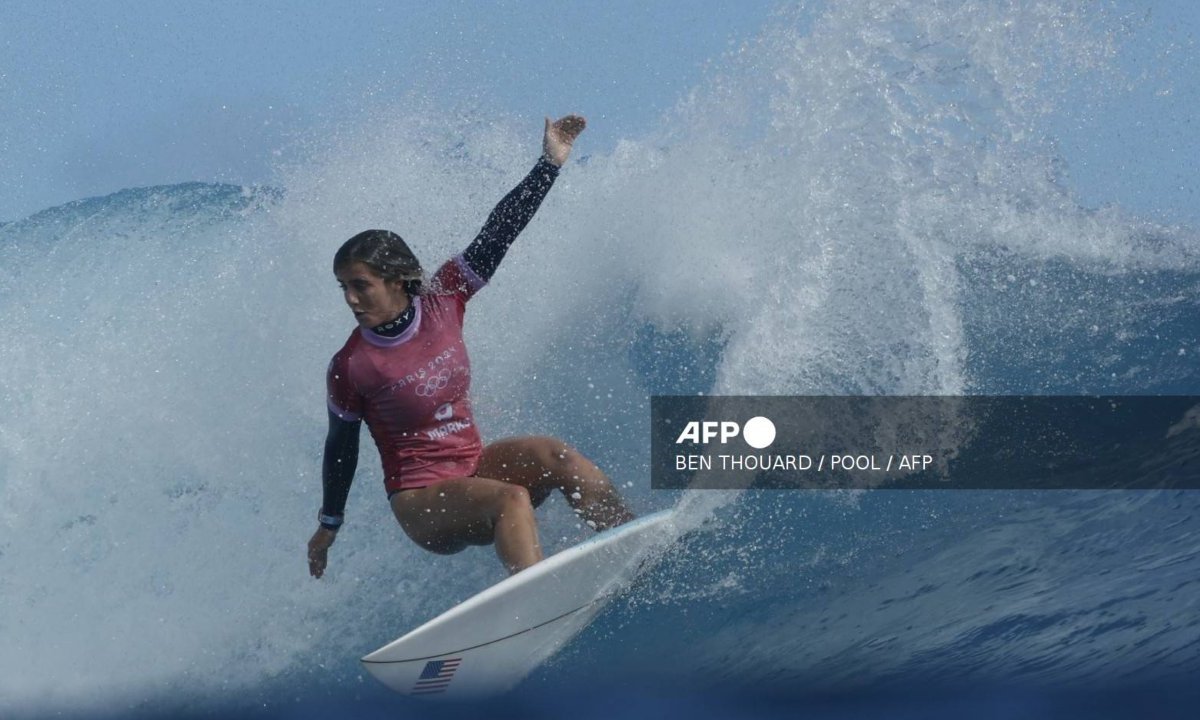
560 135
318 551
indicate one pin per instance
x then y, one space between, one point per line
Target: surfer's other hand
560 135
318 551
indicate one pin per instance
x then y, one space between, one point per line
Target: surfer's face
373 300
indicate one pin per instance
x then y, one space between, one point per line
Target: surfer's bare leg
446 516
545 464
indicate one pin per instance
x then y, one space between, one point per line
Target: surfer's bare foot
605 514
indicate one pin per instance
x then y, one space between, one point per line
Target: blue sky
103 95
99 96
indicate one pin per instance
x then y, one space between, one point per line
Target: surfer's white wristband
329 522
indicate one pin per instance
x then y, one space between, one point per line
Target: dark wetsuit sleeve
341 460
508 219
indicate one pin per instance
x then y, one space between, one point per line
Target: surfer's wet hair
386 253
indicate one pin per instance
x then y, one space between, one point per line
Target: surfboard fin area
493 640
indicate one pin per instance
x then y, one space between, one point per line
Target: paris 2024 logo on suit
433 384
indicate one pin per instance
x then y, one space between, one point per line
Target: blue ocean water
863 200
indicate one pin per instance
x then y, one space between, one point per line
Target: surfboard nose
491 641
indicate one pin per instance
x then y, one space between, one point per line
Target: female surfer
405 371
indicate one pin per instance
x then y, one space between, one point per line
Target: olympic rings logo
433 384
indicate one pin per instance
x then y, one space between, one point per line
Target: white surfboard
490 642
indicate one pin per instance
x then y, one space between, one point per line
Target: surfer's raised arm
517 208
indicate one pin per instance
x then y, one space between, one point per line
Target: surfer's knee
513 502
557 458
